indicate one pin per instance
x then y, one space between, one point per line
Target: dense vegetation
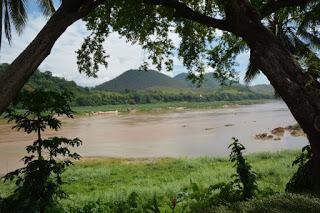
166 90
96 98
94 185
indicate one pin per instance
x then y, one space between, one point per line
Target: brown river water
188 133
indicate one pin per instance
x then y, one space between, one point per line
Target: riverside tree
212 33
39 182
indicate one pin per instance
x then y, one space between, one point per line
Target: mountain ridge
140 80
153 79
135 80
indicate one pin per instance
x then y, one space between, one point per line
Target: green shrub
284 203
302 180
242 187
245 179
196 199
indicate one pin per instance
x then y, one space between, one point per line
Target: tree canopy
207 36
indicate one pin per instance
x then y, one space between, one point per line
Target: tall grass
110 180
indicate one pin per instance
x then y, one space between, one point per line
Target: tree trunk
20 70
299 90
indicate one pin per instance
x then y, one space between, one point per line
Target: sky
62 60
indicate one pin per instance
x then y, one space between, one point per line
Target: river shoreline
83 111
162 107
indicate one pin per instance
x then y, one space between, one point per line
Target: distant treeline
96 98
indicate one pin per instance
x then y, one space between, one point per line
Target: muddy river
174 134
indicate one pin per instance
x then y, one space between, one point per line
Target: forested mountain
47 81
139 80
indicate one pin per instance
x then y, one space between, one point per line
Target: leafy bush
302 180
196 199
286 203
245 179
39 182
242 187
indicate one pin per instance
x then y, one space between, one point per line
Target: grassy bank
110 180
169 106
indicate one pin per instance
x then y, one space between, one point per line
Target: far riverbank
162 107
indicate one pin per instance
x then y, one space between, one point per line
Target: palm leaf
313 39
13 13
251 73
7 23
310 18
47 7
301 48
1 20
18 14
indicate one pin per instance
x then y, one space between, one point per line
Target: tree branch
275 5
183 11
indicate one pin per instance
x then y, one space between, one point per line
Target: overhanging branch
273 6
183 11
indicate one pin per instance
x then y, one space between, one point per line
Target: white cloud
62 60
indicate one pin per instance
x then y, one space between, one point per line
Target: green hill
135 80
47 81
139 80
209 81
